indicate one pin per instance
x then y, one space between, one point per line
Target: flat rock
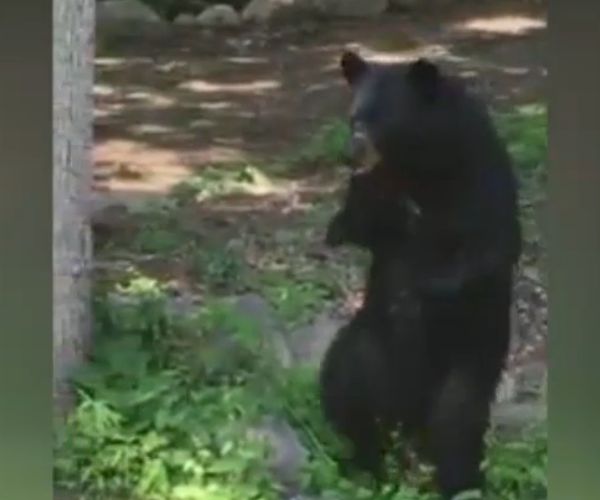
262 11
356 8
288 456
309 343
126 10
511 419
123 19
186 20
220 15
259 310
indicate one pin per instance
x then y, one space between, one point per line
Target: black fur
367 375
428 347
439 141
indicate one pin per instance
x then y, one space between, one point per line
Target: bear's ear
425 77
353 66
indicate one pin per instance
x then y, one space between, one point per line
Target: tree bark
73 115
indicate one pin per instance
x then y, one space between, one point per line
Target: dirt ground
167 107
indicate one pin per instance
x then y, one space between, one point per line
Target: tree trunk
73 115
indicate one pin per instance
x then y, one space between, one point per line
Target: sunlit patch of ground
501 25
203 86
149 171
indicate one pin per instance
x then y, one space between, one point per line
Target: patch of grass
326 147
296 302
154 418
220 269
158 232
526 130
213 182
516 470
154 239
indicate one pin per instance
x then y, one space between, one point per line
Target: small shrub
326 147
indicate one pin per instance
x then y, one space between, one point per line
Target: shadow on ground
167 108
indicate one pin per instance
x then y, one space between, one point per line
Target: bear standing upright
438 144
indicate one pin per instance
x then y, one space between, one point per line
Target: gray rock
404 4
356 8
183 304
507 389
511 419
219 15
259 310
178 303
263 10
124 19
104 211
186 20
288 455
531 381
125 10
309 343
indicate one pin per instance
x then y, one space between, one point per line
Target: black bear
436 145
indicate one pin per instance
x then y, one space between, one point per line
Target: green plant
526 131
525 128
327 146
295 302
148 425
166 402
158 232
517 469
154 239
213 182
219 269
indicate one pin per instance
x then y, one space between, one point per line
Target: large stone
124 19
125 11
220 15
512 419
288 456
356 8
264 10
186 20
258 310
267 10
404 4
309 343
507 388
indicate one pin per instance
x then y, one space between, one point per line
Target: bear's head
374 213
411 117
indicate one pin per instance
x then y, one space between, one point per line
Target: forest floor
217 165
196 108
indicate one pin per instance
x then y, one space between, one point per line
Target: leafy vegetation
526 131
167 407
326 147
